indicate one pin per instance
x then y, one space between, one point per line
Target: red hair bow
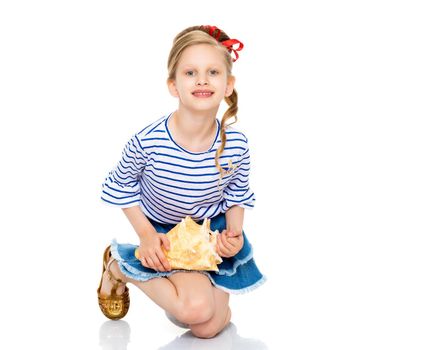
229 44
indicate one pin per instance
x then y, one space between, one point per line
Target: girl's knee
212 328
194 311
207 330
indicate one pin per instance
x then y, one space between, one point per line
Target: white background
339 102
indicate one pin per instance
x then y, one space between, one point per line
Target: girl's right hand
150 252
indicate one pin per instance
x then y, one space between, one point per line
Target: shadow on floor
115 335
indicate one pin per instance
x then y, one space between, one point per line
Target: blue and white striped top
169 182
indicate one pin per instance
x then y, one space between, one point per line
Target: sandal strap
110 274
108 260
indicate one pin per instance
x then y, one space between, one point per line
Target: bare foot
107 282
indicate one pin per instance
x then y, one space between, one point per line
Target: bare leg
186 295
160 290
196 297
221 317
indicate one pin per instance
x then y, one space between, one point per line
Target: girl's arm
230 241
150 253
139 221
234 218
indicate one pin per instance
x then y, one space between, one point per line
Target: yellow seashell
192 246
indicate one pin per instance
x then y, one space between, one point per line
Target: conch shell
192 246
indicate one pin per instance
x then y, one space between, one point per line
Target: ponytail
229 113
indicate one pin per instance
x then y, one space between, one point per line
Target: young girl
186 163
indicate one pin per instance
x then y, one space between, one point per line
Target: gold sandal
113 306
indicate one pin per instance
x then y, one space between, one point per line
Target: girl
186 163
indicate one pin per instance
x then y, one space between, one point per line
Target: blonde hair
200 35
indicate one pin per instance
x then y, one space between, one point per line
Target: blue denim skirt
236 275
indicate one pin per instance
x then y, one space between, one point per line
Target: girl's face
201 79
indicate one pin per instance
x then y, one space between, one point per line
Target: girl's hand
150 252
229 243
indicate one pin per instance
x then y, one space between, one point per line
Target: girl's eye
214 72
190 73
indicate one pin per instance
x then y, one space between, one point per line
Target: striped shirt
169 182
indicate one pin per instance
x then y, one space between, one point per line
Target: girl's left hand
229 243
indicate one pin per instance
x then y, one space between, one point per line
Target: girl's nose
202 81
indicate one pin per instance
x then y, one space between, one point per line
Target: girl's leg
196 297
221 317
204 307
186 295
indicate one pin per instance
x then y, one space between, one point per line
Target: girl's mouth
202 93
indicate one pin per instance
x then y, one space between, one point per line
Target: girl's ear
172 87
230 85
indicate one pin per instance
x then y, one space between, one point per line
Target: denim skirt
236 275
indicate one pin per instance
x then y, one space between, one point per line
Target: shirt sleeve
122 185
238 191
